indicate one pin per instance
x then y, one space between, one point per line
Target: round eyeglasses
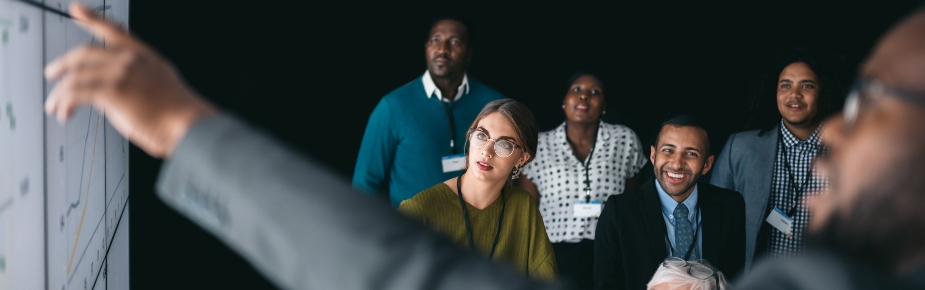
503 147
865 91
702 270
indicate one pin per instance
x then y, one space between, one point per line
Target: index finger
98 25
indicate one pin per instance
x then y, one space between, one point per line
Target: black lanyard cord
466 219
449 118
694 242
587 163
797 190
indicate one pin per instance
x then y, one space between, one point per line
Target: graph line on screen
82 215
75 204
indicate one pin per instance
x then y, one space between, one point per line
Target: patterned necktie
683 233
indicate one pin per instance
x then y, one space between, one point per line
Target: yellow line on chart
87 198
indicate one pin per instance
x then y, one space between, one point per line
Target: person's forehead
497 125
588 79
686 136
797 68
899 58
449 27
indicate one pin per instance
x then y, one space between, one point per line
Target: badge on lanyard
781 221
587 208
453 163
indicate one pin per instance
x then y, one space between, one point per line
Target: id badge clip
587 208
781 221
452 163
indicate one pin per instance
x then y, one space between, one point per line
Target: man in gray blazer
771 164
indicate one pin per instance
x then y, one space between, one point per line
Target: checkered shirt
800 155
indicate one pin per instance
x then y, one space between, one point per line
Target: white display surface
63 189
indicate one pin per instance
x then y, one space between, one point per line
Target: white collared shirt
559 176
430 88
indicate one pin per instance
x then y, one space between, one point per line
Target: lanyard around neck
449 118
586 163
797 190
466 218
694 242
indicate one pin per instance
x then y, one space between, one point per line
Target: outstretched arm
297 223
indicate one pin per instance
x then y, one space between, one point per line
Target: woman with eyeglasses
578 166
480 209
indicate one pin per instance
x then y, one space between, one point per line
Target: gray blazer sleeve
746 165
305 228
722 168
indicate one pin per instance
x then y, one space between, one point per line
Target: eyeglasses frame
873 88
703 262
471 130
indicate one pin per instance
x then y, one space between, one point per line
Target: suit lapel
711 224
651 208
763 174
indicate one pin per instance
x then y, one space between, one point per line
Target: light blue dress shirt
668 206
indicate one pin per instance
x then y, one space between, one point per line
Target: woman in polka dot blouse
578 165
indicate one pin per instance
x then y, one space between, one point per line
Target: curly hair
764 114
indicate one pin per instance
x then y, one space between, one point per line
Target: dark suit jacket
629 243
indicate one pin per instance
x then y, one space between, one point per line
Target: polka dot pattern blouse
559 176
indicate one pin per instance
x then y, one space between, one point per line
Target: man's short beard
883 227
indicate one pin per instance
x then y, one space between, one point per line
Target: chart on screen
63 188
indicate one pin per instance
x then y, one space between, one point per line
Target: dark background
311 74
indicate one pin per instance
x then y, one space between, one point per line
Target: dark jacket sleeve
304 227
608 256
734 255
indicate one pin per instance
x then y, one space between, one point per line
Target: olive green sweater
523 242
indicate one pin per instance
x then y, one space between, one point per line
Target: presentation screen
63 188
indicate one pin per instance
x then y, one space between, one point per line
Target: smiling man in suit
672 215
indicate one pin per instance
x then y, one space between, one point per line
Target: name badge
781 221
587 209
454 162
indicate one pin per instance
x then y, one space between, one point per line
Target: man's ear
708 165
652 154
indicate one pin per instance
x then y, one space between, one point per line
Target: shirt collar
561 135
430 88
790 140
669 204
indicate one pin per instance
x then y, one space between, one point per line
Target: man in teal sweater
416 135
